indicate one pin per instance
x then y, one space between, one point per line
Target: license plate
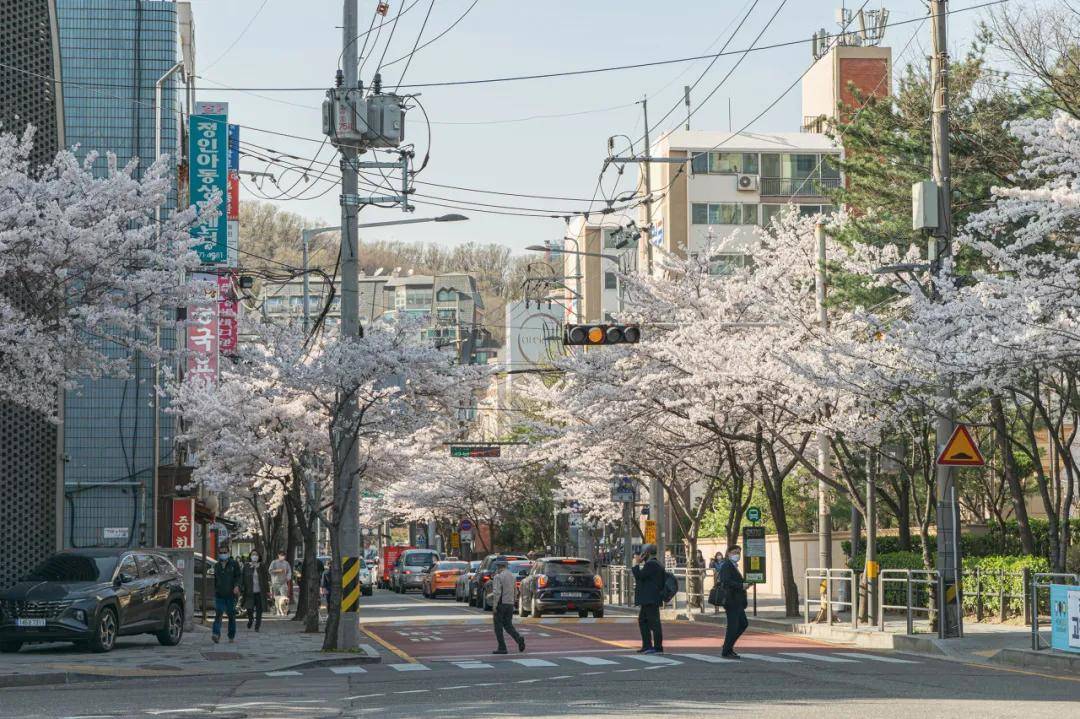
573 595
29 622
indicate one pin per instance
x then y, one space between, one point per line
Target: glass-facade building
112 54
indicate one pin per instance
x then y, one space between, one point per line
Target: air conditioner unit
747 183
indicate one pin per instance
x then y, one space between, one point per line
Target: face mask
223 556
255 557
735 558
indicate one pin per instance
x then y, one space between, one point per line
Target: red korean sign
228 311
183 522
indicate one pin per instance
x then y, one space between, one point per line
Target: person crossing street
733 599
648 595
504 585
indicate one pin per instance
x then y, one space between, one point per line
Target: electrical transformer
351 119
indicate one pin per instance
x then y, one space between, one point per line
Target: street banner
208 175
650 531
202 331
1065 617
234 146
183 522
754 554
228 310
234 197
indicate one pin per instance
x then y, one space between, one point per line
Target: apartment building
451 304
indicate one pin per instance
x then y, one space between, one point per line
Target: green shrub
896 592
987 578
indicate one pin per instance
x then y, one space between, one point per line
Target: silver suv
410 568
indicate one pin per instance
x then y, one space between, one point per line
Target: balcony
798 187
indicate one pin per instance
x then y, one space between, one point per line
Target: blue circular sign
465 525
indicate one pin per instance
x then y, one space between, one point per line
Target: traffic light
591 335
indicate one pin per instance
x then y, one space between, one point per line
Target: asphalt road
574 669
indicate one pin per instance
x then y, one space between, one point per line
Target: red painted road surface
459 641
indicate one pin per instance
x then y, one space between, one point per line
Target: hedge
992 543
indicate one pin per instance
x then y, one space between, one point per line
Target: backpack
671 587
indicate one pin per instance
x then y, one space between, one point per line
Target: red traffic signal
592 335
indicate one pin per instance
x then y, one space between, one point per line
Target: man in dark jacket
227 577
734 593
648 591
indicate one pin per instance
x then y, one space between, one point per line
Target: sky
536 137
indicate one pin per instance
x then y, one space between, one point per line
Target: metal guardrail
976 579
694 587
829 576
910 578
1036 585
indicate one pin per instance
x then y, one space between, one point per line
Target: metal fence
1038 581
694 587
917 584
832 579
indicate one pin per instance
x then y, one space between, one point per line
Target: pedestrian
324 584
716 593
699 560
503 587
227 577
733 596
280 583
648 589
670 562
254 592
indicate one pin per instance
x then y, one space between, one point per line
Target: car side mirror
121 578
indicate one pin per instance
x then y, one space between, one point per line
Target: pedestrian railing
694 587
832 578
1040 581
988 592
916 592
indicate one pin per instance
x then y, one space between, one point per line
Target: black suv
562 584
91 597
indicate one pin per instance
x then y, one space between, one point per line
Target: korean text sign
1065 617
183 522
209 158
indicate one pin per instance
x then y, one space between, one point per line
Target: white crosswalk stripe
876 658
348 670
768 658
708 658
283 674
827 658
653 659
409 667
590 661
534 662
472 665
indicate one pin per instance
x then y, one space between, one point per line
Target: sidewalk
281 644
983 643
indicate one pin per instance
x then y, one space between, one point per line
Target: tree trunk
1008 464
783 539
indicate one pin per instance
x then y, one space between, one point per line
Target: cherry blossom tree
85 268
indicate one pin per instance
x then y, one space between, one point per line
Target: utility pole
950 623
871 571
346 481
824 521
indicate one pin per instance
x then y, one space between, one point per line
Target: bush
896 593
987 578
885 545
1072 559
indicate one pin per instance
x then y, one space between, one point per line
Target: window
275 304
416 299
725 264
127 566
770 164
164 565
296 302
829 170
147 568
749 214
725 162
446 295
749 163
611 281
611 239
699 213
802 166
769 213
699 165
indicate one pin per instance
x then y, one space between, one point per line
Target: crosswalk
619 662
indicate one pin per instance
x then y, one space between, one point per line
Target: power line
238 37
448 29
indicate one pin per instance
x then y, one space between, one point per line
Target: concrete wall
804 554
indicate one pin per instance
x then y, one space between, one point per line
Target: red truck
386 563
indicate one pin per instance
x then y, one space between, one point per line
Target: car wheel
105 632
10 647
173 632
536 609
598 613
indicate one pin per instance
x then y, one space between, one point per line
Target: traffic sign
455 540
465 525
754 514
622 489
960 450
475 450
650 531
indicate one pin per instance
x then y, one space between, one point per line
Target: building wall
112 54
29 62
829 81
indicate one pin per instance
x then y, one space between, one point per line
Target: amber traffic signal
591 335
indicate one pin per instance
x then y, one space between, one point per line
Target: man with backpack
731 591
651 586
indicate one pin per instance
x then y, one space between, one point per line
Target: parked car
410 568
461 586
93 596
560 585
478 590
443 577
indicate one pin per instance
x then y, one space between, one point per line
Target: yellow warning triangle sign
960 450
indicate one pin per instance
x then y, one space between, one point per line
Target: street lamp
307 234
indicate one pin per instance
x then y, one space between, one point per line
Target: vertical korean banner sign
183 522
209 159
228 311
203 340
